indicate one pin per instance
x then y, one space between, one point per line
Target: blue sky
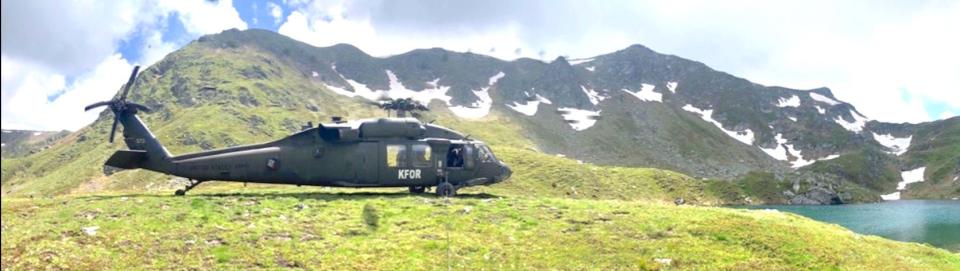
894 60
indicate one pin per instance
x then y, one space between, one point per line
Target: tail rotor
120 105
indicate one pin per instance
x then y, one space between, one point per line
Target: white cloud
67 51
326 24
276 12
947 115
154 49
204 17
29 107
68 37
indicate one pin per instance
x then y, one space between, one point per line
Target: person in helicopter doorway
455 156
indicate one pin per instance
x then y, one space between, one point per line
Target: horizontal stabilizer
127 159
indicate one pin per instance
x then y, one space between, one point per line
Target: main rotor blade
96 104
126 88
116 120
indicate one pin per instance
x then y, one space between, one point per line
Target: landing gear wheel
181 192
417 189
446 189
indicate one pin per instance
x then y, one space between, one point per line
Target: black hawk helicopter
384 152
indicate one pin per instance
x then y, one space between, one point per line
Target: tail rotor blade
95 105
138 107
133 77
113 130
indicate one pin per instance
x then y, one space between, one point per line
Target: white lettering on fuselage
406 174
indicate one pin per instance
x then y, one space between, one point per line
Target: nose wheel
445 189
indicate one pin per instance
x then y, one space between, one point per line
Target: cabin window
396 155
421 155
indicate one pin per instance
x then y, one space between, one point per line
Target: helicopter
380 152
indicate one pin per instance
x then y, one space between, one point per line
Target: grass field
236 227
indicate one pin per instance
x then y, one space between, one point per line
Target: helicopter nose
505 172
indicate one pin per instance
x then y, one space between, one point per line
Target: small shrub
371 216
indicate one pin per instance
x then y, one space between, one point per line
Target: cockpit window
486 156
421 155
396 155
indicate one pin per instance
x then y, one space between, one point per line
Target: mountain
18 143
630 108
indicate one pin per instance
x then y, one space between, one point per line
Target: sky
895 61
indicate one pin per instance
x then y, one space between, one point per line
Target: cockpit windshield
485 154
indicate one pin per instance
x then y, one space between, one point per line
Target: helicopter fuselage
366 153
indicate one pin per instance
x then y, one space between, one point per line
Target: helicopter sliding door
460 162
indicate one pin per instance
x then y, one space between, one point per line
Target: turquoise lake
933 222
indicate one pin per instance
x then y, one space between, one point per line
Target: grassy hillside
259 227
937 147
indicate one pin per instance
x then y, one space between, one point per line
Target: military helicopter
384 152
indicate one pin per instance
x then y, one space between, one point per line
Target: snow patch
593 95
793 119
579 119
909 177
478 109
891 196
793 101
799 161
496 77
820 109
396 91
591 68
3 144
897 145
579 61
783 151
481 107
745 136
646 93
315 74
856 125
529 108
829 157
779 153
672 86
543 99
821 98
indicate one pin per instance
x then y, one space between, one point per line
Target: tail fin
138 137
145 150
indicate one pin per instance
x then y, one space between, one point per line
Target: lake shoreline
931 222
